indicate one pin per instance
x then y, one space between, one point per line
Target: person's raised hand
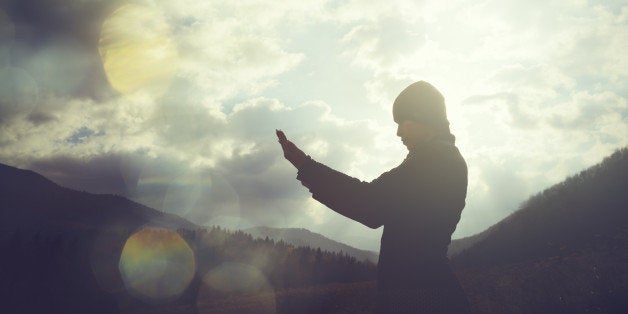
290 151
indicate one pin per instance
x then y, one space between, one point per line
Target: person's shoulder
443 148
435 151
446 153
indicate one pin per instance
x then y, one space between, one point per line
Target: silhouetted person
419 204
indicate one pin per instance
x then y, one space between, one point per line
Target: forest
48 269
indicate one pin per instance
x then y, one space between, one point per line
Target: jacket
419 204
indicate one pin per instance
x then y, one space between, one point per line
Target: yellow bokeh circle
157 264
138 51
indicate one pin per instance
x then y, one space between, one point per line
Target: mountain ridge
565 216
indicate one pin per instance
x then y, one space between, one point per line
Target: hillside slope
570 215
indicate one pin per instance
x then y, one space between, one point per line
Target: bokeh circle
157 264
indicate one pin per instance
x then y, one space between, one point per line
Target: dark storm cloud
263 157
246 187
111 173
18 93
39 118
39 20
262 174
49 32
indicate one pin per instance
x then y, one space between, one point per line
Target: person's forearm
343 194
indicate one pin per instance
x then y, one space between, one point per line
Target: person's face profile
412 132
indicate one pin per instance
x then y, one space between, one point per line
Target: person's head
420 113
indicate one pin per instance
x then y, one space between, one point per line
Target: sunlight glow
184 195
195 195
236 277
138 51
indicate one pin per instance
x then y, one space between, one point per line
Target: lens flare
138 51
236 277
185 196
203 197
245 281
157 264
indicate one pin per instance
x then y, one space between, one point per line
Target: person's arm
364 202
343 194
361 201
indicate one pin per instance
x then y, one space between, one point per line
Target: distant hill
304 237
571 215
30 201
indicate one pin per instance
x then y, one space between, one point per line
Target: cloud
535 92
224 57
592 50
590 111
38 118
56 38
518 117
18 93
186 152
110 173
220 59
382 44
235 176
495 183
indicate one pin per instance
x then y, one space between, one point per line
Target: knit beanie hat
421 102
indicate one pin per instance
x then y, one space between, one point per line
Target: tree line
53 268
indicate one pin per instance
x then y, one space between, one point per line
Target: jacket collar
439 139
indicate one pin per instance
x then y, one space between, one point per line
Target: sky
174 104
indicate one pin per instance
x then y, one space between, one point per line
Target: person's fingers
285 143
281 135
290 151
